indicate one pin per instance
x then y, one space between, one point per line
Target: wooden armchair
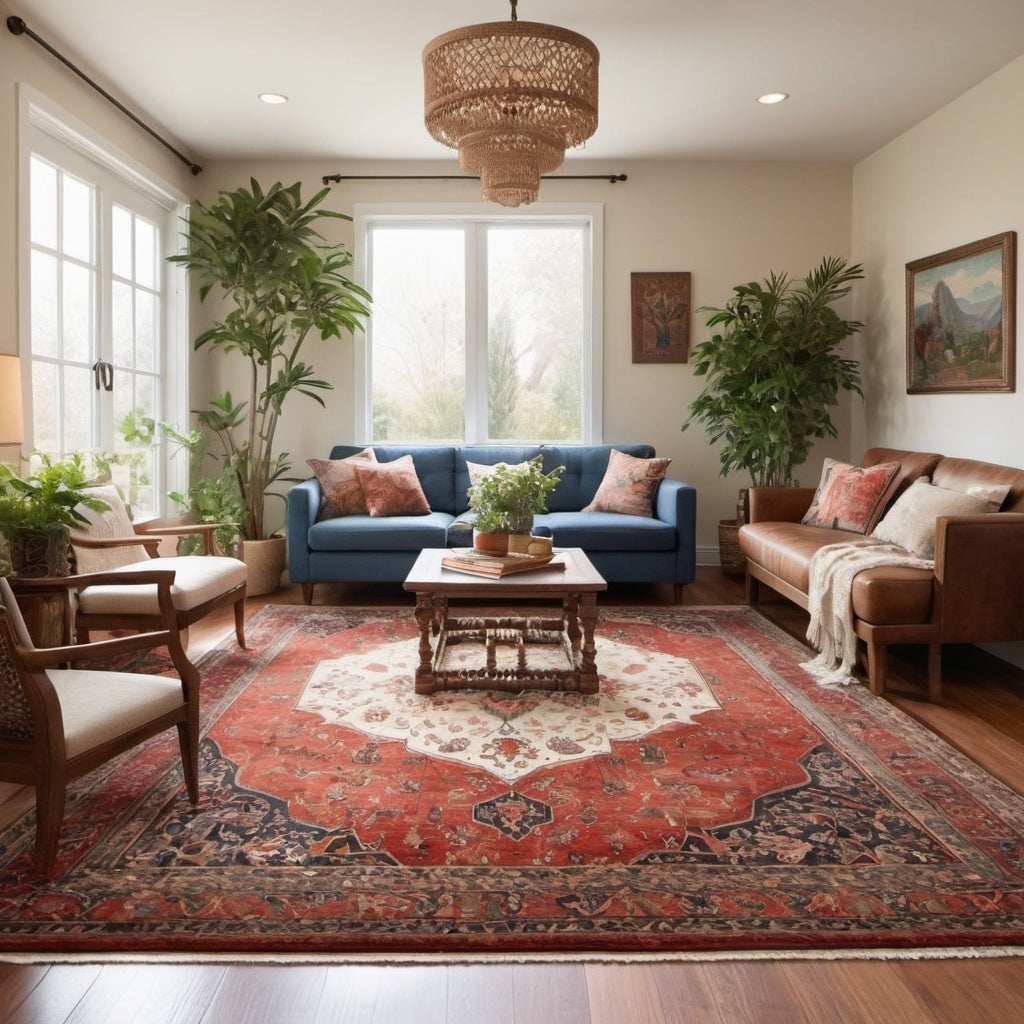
57 723
109 542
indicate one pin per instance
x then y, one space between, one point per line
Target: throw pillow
851 497
629 485
910 523
392 488
993 494
477 470
342 495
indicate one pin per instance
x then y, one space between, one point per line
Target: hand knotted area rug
711 797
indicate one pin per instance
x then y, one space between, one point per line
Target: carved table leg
588 658
426 617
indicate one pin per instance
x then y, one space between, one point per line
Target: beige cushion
100 706
197 579
114 523
910 522
629 485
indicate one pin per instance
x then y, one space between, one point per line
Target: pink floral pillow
629 485
342 495
392 488
851 497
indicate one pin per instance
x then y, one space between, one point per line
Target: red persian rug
711 797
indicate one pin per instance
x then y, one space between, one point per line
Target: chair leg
240 621
50 795
188 742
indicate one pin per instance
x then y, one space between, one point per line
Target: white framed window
103 315
486 325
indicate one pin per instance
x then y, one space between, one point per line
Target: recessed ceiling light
773 97
273 97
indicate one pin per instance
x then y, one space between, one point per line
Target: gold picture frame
961 303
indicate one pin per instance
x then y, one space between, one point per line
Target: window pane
78 312
77 239
76 406
45 407
419 334
44 204
122 324
121 242
145 330
536 337
44 305
145 253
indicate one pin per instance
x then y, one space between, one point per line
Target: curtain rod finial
16 25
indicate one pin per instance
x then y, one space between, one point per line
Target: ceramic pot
43 552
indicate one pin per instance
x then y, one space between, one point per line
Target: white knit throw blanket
833 569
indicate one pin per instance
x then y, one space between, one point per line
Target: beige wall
952 179
725 223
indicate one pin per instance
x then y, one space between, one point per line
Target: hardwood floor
982 713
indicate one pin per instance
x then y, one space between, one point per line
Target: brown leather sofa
974 595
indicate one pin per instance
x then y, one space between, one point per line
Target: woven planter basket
734 563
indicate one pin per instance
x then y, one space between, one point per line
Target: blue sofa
623 548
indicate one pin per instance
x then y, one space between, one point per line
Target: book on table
495 566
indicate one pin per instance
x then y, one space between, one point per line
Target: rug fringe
444 959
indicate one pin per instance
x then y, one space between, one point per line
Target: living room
948 179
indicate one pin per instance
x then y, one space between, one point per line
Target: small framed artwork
961 318
660 304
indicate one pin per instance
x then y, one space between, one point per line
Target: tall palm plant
262 250
773 372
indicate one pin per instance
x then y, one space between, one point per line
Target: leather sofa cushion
893 595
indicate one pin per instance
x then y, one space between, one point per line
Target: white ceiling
678 79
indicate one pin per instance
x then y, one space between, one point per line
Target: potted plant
37 511
263 252
506 498
773 372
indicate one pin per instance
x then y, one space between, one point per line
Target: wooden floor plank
266 995
624 992
957 991
550 994
53 996
481 993
349 994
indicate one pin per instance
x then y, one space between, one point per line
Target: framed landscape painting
660 305
960 318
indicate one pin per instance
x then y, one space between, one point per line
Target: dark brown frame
972 357
669 341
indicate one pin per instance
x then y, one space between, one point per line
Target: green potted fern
506 498
773 374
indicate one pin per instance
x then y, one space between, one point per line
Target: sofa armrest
779 504
979 572
676 503
303 502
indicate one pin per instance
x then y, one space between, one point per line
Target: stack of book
496 566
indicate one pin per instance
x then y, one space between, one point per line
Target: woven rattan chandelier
511 97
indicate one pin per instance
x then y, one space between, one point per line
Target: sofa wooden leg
935 673
877 658
753 590
677 593
307 593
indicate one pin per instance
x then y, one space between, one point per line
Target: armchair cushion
114 523
100 706
197 579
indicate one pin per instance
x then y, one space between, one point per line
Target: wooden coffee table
571 628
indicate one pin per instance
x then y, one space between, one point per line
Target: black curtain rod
18 27
328 178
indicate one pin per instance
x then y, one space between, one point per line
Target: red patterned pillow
392 488
851 497
342 495
629 485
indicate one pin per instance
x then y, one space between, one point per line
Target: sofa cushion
629 485
607 531
910 523
391 488
786 549
339 485
893 595
434 464
367 533
851 497
585 466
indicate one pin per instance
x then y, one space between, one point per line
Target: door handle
104 374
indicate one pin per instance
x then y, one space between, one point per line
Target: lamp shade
12 427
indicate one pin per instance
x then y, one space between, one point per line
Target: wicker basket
734 563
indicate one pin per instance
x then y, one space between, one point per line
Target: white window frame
366 214
38 114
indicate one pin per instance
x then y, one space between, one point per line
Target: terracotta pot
264 563
490 543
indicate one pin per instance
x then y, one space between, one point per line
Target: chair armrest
779 504
303 505
160 528
676 503
979 573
